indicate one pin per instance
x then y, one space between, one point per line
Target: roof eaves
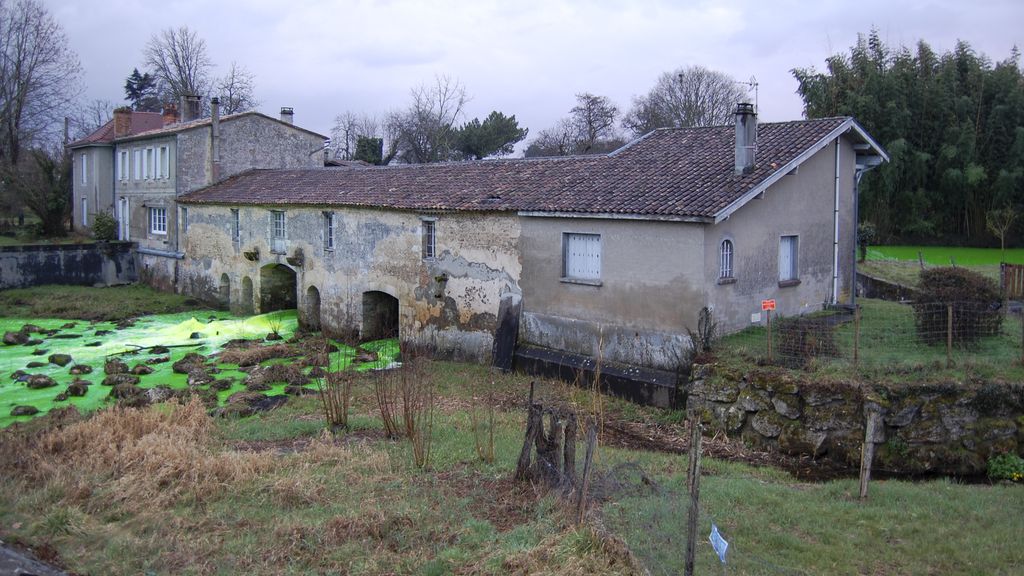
774 177
615 216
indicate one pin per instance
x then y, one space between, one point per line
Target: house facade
610 256
136 167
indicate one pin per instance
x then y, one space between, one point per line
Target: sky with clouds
323 57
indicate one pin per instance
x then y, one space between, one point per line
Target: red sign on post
768 304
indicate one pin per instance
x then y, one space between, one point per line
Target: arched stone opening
224 291
310 317
245 303
380 315
277 288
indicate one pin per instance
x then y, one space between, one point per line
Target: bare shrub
335 391
417 392
482 423
386 391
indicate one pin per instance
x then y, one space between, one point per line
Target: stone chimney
170 114
746 138
215 138
122 121
190 107
287 115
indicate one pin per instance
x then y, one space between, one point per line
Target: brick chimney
122 121
190 109
287 115
746 138
170 114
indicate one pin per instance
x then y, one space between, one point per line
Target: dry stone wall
943 428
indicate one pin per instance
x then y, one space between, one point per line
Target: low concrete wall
102 264
871 287
942 428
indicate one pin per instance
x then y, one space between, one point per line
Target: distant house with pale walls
137 165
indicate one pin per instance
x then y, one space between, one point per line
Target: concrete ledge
636 384
101 263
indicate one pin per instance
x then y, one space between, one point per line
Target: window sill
729 280
583 281
788 283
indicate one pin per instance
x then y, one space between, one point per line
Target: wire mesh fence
893 337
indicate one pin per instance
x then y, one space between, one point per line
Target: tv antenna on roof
751 85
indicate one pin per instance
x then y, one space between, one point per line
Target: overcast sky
520 57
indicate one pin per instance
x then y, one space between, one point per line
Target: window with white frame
788 258
164 162
85 211
148 164
429 239
725 260
122 165
158 220
85 168
581 256
137 164
328 230
278 231
236 232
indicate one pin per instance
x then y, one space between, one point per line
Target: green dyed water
89 344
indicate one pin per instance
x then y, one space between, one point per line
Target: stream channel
93 343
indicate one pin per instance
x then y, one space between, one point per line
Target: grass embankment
167 490
86 303
900 264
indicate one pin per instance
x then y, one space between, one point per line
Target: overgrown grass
167 490
87 303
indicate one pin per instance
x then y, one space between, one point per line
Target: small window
122 165
236 234
788 259
137 160
328 230
158 220
165 162
278 230
85 169
429 239
85 211
581 256
725 261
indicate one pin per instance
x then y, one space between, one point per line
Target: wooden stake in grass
693 483
867 454
856 336
949 336
483 427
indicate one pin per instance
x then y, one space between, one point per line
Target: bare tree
179 60
590 129
237 90
348 128
39 78
999 222
87 118
42 183
688 97
593 117
425 131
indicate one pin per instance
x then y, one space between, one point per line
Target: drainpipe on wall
215 139
835 232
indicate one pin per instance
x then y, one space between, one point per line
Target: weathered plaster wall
800 204
84 264
949 428
450 301
651 290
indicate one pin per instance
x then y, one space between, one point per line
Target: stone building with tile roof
135 167
611 255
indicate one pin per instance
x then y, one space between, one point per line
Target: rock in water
24 411
141 370
115 366
37 381
79 369
60 359
12 338
118 379
76 388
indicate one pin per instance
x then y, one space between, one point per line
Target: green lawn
942 255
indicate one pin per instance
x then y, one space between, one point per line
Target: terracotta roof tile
140 122
686 172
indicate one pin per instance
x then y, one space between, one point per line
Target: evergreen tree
142 91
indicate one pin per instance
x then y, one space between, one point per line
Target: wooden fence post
867 454
769 319
949 336
581 495
693 483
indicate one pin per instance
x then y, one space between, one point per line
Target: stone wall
943 428
81 264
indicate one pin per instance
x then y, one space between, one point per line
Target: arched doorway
277 288
310 317
245 305
380 315
224 291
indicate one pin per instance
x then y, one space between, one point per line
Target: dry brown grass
149 457
253 355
